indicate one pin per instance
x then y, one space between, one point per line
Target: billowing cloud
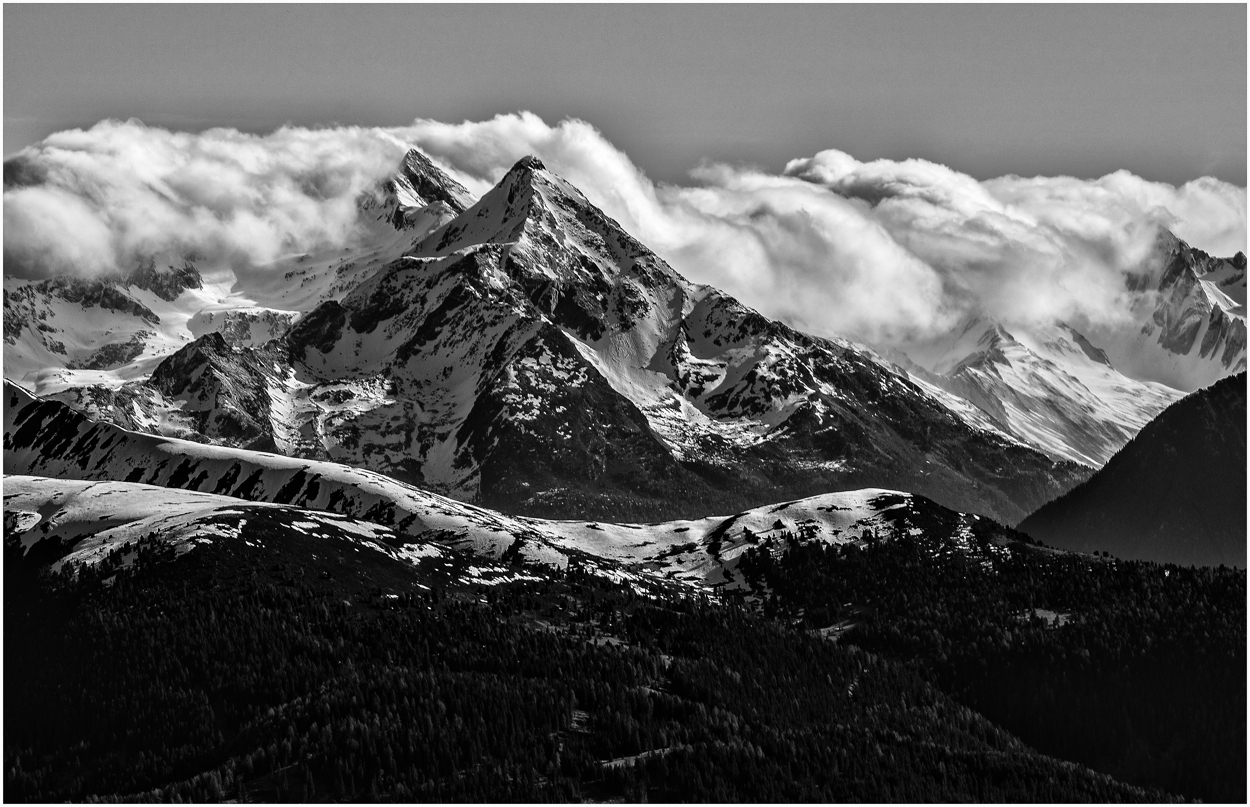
1206 212
82 202
890 252
48 230
1032 250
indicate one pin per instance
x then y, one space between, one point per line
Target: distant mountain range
523 352
1081 396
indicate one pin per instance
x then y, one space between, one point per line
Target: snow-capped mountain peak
994 345
1091 351
1048 386
1081 394
550 226
1190 315
419 196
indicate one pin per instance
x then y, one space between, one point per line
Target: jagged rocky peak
429 183
211 343
501 215
1177 261
192 364
529 176
973 342
419 195
530 353
553 233
1092 351
529 162
1199 313
224 390
995 335
166 282
990 347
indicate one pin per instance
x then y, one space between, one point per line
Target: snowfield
92 520
89 520
1046 386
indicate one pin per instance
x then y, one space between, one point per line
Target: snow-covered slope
82 523
1048 387
705 552
106 330
1082 395
252 326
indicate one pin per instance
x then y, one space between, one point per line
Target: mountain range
495 433
523 352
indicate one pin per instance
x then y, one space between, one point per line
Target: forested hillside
1136 669
288 675
1175 494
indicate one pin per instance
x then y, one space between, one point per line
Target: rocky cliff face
1192 320
420 196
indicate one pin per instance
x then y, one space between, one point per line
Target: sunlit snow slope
80 522
46 438
1049 387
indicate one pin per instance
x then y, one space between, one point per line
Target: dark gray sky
988 90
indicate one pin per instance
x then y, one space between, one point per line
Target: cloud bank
83 202
889 252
